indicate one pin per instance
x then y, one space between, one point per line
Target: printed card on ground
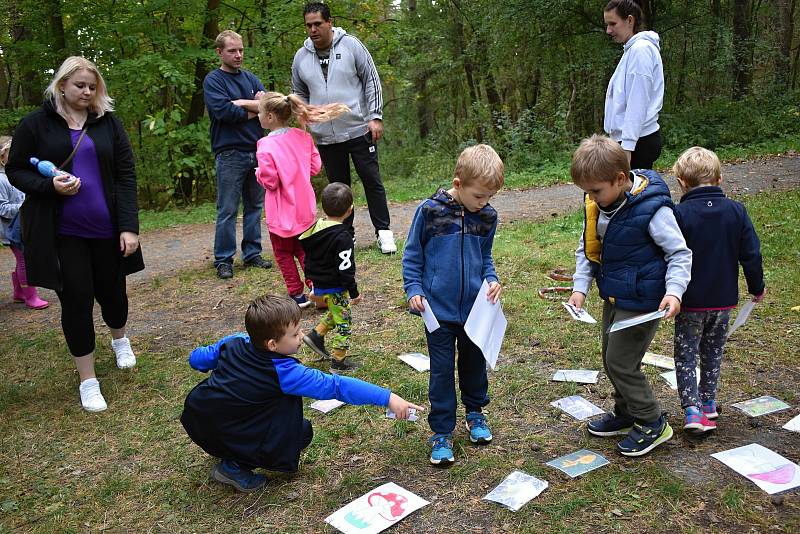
412 414
766 469
761 406
326 406
579 314
578 463
793 424
516 490
417 360
577 407
376 511
658 360
583 376
672 378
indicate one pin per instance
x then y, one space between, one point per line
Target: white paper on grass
516 490
486 325
579 314
376 511
326 406
793 424
766 469
672 378
639 319
417 360
431 322
577 407
583 376
412 414
659 360
741 317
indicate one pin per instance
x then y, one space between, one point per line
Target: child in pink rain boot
10 201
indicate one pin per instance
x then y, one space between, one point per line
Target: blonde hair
219 42
480 163
698 165
5 146
598 159
101 104
286 106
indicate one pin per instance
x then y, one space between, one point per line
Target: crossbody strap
74 150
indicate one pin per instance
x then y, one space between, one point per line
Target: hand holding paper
486 325
401 407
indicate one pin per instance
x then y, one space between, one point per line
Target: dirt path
175 249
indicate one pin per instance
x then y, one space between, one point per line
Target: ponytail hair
626 8
286 106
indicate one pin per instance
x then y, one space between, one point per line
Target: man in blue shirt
234 133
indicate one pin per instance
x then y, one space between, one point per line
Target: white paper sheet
431 322
486 325
417 360
639 319
583 376
793 424
766 469
577 407
376 511
412 414
741 317
326 406
579 314
516 490
659 360
672 378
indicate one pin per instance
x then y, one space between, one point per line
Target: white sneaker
386 242
122 348
91 398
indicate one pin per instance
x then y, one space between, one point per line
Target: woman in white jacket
636 90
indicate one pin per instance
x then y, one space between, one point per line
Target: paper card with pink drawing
766 469
376 511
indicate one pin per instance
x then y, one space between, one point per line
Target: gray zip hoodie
352 80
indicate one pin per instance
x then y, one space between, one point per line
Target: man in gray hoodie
333 66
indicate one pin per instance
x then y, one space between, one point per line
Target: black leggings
90 269
647 150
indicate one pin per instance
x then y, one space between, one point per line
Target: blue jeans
236 179
472 379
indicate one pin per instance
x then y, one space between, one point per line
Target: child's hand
400 406
577 299
494 292
415 303
672 303
358 299
759 298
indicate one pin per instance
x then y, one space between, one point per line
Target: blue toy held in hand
48 168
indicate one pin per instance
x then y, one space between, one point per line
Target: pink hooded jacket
286 162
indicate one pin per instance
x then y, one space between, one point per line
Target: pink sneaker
697 422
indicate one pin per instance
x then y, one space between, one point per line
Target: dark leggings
90 270
647 150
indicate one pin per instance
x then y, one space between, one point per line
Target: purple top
86 214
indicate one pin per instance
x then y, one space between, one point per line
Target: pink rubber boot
32 299
18 296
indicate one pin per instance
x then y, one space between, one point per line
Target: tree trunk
742 68
784 29
210 32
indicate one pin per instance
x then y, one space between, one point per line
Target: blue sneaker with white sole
478 428
442 449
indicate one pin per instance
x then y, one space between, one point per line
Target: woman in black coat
80 229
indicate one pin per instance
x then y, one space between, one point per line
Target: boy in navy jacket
249 412
633 248
721 237
448 255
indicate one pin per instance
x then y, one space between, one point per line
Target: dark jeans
647 151
336 159
236 179
472 379
90 269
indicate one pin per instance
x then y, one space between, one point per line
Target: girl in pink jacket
287 158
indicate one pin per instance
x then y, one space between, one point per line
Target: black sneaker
611 425
225 271
316 343
343 365
244 480
643 438
258 261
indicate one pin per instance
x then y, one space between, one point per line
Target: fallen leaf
617 512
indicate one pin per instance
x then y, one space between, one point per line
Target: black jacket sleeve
21 173
125 179
346 258
750 256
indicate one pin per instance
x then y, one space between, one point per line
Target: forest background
528 77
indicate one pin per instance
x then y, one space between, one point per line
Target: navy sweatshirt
721 236
230 127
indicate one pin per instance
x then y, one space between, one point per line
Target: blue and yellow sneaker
611 425
478 429
643 438
231 473
442 449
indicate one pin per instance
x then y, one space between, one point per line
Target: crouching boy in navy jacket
249 412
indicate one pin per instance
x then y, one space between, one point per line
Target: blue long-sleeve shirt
230 126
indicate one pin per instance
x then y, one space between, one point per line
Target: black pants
336 159
647 150
90 269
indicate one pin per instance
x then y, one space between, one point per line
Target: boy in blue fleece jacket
249 412
721 237
448 255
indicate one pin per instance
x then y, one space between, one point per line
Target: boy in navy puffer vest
721 237
634 249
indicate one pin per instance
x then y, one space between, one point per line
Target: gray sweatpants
622 359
